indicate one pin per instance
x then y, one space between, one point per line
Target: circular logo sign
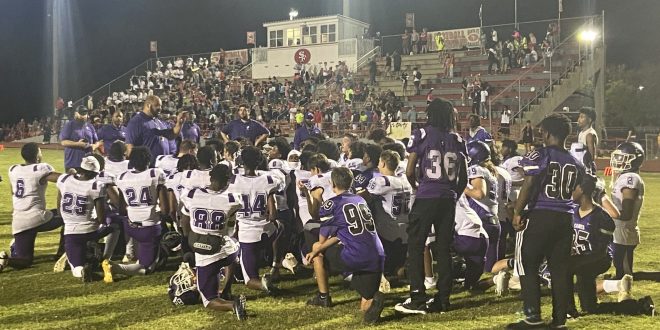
302 56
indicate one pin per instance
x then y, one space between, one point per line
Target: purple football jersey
593 233
439 157
559 174
347 217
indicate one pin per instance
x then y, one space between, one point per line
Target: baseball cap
90 163
309 116
81 109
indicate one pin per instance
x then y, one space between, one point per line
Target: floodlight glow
293 14
588 35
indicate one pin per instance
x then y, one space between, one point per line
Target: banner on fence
233 56
459 38
400 130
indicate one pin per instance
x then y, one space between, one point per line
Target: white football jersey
512 165
167 163
396 198
355 164
303 208
489 202
229 163
77 203
27 193
333 163
503 192
115 168
280 169
582 135
174 183
29 196
252 192
401 169
140 191
209 213
627 232
467 221
324 182
196 179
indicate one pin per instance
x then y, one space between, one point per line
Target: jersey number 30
561 181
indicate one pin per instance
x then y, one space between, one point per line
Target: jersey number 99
358 218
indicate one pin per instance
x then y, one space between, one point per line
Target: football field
37 298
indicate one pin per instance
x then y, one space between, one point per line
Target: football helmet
478 152
627 157
183 287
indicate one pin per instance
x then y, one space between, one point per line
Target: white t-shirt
484 96
627 232
505 116
209 213
77 203
29 196
140 191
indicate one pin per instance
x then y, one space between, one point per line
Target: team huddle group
370 212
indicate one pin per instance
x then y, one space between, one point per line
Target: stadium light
293 14
641 88
588 35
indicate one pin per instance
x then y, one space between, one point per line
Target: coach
145 129
244 127
78 138
305 131
115 131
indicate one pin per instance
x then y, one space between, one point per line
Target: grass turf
37 298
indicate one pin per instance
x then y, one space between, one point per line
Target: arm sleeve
133 133
379 186
326 212
415 140
66 132
476 171
534 163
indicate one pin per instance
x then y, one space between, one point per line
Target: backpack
418 75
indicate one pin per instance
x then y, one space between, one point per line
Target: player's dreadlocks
220 174
187 162
440 114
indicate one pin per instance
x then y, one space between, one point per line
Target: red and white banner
240 55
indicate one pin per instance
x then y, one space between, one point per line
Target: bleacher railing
552 67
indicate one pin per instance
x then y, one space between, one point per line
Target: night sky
111 36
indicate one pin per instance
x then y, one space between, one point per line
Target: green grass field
37 298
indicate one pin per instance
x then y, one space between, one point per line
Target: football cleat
267 283
4 260
86 274
501 282
290 262
528 324
647 306
625 288
107 271
128 259
408 307
320 301
433 306
240 308
61 263
384 285
372 315
430 284
514 283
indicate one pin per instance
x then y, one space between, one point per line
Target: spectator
414 41
396 62
404 81
504 122
115 131
484 102
527 134
417 80
318 119
411 115
388 65
145 129
429 96
190 130
439 43
492 59
405 42
373 69
246 128
423 41
78 138
305 131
